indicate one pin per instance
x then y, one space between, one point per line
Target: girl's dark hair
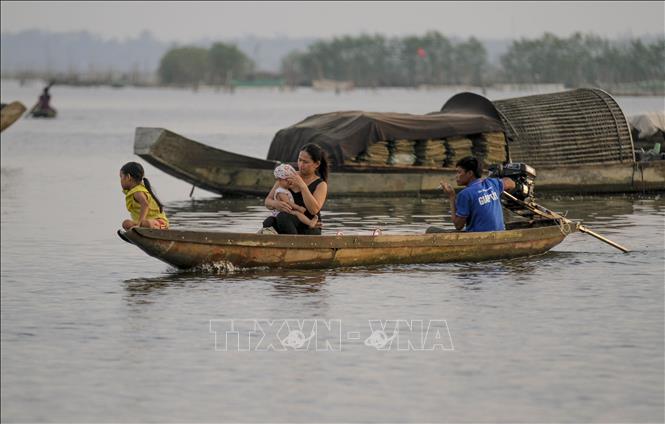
318 155
135 170
470 163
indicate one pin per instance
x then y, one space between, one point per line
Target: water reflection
470 275
294 282
139 288
284 282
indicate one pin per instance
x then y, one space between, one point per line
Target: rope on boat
564 223
564 226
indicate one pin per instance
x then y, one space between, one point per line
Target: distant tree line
583 60
378 61
575 61
196 65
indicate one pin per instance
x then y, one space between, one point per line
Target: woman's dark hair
469 163
135 170
318 155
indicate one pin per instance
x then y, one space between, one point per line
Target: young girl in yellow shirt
145 208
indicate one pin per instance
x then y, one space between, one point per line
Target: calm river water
94 330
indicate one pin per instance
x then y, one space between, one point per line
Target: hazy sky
189 21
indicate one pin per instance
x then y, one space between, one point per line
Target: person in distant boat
309 189
145 208
45 99
43 106
282 173
478 206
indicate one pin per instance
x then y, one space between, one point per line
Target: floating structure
10 113
44 113
579 141
332 85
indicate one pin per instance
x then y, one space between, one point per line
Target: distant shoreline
650 89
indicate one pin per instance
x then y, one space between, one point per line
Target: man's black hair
469 163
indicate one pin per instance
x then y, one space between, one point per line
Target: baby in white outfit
282 193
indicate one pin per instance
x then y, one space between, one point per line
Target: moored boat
10 113
44 113
188 249
332 85
579 141
227 173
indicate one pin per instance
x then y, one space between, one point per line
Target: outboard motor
523 175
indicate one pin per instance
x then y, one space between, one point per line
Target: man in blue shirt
478 206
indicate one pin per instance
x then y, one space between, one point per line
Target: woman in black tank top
309 188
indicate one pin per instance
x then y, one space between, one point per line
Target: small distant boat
332 85
259 82
10 114
44 113
43 108
188 249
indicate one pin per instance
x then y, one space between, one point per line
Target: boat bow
204 166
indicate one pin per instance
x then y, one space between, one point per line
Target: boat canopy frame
575 127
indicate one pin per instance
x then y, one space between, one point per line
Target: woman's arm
279 205
298 208
285 198
314 202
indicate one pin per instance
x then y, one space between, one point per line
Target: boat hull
188 249
228 173
10 114
636 177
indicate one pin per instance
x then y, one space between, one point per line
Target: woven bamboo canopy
582 126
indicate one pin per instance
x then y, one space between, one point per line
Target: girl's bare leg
151 223
147 223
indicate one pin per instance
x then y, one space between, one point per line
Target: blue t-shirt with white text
479 203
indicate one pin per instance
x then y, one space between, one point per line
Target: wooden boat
10 113
188 249
44 113
227 173
579 141
332 85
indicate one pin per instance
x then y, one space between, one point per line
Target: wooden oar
32 109
544 212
